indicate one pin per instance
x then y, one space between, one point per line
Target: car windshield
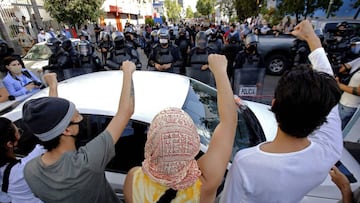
38 52
201 105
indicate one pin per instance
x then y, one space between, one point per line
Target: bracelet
347 67
354 91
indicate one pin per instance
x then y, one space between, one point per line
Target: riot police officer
214 42
131 37
249 67
74 55
104 46
230 50
198 66
184 44
165 56
59 59
122 52
89 61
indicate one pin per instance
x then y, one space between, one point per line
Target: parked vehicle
95 97
38 57
276 52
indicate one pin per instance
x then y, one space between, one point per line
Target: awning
115 9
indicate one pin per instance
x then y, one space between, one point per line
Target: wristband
354 91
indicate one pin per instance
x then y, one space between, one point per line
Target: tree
189 12
228 7
173 10
205 7
74 12
308 7
246 9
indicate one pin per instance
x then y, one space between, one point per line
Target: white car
38 57
96 96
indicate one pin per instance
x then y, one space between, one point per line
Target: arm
342 183
51 80
126 103
4 94
221 144
10 83
318 58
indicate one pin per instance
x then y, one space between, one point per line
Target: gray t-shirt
78 176
1 84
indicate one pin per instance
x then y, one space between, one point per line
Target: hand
128 66
30 86
158 66
166 66
304 30
217 63
50 79
344 68
204 67
339 178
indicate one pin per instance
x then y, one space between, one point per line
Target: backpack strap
169 195
5 184
27 74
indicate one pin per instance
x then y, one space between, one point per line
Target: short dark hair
51 144
303 99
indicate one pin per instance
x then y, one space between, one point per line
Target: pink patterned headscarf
170 150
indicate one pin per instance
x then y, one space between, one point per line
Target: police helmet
3 47
234 38
343 26
118 39
104 36
163 33
201 40
66 44
163 36
251 42
84 34
130 30
54 44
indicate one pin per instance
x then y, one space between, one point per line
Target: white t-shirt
258 176
19 191
348 99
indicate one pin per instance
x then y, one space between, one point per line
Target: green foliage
189 12
228 7
149 21
173 10
272 16
307 8
205 7
74 12
245 9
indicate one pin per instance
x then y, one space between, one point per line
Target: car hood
99 93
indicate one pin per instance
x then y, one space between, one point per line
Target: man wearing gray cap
65 174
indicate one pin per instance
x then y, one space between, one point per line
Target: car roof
99 93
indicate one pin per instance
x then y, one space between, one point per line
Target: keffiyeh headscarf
170 150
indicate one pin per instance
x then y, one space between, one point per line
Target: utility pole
4 35
37 14
329 8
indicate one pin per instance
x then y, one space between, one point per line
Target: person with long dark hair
14 188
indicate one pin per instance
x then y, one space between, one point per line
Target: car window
201 105
129 149
38 52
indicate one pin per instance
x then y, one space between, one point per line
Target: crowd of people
57 171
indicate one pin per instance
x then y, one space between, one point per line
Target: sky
191 3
